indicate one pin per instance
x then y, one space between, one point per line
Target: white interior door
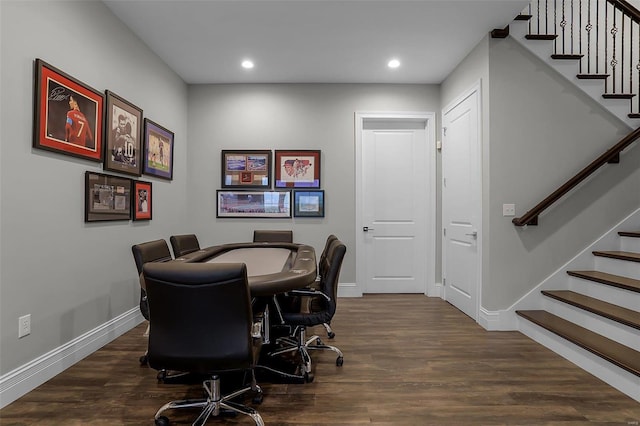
395 198
461 203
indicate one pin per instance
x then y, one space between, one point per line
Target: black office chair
184 244
322 308
272 236
331 238
151 251
201 321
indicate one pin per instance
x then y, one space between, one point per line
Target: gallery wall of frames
72 118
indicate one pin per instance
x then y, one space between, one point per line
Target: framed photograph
106 197
141 200
158 150
308 203
246 169
67 114
297 169
254 204
123 136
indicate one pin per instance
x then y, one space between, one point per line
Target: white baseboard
24 379
349 290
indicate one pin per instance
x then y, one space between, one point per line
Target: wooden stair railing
612 155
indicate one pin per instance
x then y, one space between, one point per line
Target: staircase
593 43
590 312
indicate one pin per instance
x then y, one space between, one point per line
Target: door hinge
444 131
444 231
444 282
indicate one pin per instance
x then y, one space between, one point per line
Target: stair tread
592 76
609 279
608 310
633 234
622 255
614 352
541 36
566 56
618 95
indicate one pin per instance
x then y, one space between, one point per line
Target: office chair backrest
152 251
330 273
331 238
200 316
272 236
184 244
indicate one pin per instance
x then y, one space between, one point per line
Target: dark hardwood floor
408 360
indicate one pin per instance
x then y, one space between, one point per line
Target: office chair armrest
308 292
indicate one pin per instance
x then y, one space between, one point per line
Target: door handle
474 234
367 229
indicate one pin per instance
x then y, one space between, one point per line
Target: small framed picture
308 203
107 197
297 169
123 136
158 150
141 198
67 114
253 204
246 169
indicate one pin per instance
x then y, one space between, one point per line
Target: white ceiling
313 41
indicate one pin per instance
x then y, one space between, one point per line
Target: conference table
272 269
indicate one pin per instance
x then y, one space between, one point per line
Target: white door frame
475 88
430 119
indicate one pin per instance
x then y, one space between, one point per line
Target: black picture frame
67 114
253 204
158 150
246 169
122 135
308 203
107 197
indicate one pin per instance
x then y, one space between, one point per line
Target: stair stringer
569 70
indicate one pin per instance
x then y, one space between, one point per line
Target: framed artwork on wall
141 198
123 136
158 150
67 114
253 204
246 169
308 203
107 197
297 169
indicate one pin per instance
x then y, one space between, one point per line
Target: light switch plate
508 210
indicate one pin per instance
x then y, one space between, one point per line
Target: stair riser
620 379
621 333
630 244
617 296
618 267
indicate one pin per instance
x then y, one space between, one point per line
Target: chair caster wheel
308 377
339 361
162 421
162 375
143 360
257 398
331 335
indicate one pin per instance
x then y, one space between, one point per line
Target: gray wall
543 131
539 130
71 276
290 116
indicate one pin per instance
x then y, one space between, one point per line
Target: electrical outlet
508 210
24 326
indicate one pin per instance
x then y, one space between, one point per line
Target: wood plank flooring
408 360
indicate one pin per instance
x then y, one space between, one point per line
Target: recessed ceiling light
394 63
247 64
